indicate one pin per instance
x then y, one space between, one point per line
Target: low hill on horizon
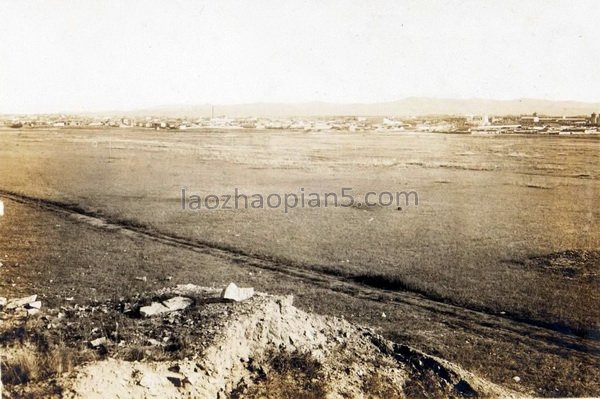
412 106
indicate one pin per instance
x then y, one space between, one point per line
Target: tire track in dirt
455 317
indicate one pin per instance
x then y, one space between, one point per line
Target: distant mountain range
411 106
406 107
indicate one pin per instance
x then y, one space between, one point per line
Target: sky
92 55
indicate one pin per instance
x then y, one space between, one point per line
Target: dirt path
458 317
525 339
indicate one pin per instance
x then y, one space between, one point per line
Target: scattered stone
178 380
18 303
150 381
177 303
1 208
3 301
35 305
32 311
144 279
237 294
176 368
154 309
383 315
516 378
97 342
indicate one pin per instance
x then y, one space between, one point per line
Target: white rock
1 208
3 301
97 342
177 303
152 382
235 293
32 312
20 302
35 305
154 309
517 378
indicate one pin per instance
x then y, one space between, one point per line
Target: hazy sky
102 55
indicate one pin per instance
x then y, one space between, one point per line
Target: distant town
470 124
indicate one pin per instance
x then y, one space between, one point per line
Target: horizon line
174 106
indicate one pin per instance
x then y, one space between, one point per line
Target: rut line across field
484 323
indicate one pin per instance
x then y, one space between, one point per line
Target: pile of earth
212 348
581 264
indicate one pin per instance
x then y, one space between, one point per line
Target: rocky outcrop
266 345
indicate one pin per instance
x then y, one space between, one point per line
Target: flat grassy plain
487 204
508 225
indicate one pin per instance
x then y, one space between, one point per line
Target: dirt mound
199 345
265 347
573 264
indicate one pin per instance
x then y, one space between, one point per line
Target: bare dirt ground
263 347
469 275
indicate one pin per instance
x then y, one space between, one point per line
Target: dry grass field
505 226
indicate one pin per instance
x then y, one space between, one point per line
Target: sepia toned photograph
299 199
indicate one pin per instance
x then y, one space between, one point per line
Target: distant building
530 119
